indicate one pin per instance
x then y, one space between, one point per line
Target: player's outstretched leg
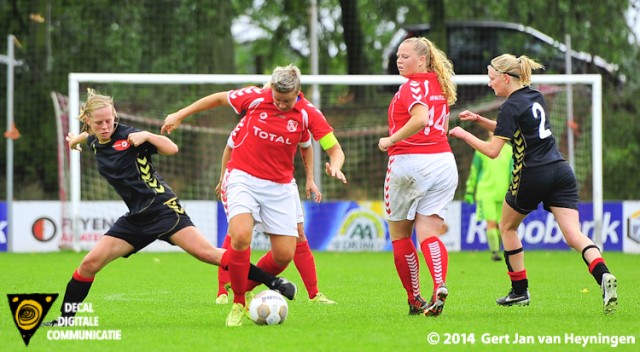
77 290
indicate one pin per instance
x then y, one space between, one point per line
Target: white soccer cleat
609 293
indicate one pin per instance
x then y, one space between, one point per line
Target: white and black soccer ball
268 308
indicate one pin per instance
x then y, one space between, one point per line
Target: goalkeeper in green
486 186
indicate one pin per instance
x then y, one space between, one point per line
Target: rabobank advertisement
539 229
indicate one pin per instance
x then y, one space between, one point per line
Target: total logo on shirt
122 144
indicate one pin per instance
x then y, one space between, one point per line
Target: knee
90 266
240 241
282 258
577 241
505 228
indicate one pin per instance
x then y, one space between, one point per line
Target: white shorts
419 183
299 212
272 205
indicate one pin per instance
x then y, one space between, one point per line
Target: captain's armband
328 141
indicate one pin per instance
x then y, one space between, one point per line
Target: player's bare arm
490 148
336 160
76 141
311 188
173 120
484 122
164 145
418 121
226 155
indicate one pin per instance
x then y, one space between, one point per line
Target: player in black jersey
123 155
540 175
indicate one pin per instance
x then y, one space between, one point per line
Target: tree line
204 36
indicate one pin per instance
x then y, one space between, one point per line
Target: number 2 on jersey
538 113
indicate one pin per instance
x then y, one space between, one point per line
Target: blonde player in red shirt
303 257
422 175
259 183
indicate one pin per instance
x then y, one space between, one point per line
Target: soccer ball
268 308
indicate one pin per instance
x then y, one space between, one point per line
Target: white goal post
76 79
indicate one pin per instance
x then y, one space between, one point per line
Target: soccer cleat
514 299
496 257
60 322
417 306
609 294
437 302
222 299
286 288
51 323
321 298
236 315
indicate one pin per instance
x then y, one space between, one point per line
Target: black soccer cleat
52 323
513 299
286 288
417 306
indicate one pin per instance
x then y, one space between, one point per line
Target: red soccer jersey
265 141
421 88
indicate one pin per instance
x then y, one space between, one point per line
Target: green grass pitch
165 302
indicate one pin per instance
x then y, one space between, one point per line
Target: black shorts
157 223
554 185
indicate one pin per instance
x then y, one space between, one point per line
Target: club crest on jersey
122 144
292 125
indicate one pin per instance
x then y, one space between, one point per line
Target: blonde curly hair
95 101
517 67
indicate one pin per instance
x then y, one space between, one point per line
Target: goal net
143 101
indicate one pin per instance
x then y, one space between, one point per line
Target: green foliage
165 302
194 36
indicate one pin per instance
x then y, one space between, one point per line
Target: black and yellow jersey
523 120
130 170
